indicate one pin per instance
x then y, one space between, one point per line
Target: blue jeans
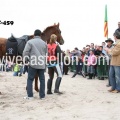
114 76
91 69
21 70
15 74
25 69
31 75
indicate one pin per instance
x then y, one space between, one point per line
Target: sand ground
82 100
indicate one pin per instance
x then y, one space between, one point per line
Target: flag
106 23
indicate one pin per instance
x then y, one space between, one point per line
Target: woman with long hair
54 60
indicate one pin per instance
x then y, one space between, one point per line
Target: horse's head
53 30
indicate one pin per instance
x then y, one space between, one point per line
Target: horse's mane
49 28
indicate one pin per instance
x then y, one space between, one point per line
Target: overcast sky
81 21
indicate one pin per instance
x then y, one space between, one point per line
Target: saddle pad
11 46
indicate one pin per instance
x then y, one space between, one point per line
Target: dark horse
45 36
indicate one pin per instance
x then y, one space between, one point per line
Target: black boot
49 86
90 76
74 75
19 75
93 76
57 85
101 78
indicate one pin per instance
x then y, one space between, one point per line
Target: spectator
66 61
97 51
118 29
92 47
36 50
21 70
109 45
9 66
91 63
16 70
114 73
76 52
79 68
103 44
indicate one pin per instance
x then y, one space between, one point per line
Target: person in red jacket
54 60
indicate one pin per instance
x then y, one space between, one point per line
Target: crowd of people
17 69
95 61
100 61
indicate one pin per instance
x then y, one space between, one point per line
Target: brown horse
45 36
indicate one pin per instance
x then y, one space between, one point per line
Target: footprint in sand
75 116
7 105
2 103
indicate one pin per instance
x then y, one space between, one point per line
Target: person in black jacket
79 68
97 51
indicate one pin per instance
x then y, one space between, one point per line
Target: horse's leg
36 83
0 93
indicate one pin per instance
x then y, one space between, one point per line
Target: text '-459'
7 22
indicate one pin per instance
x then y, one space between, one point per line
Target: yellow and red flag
106 23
